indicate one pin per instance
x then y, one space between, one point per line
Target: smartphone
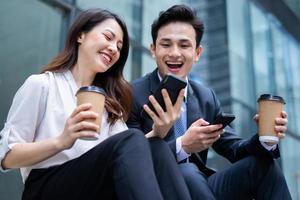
173 84
224 119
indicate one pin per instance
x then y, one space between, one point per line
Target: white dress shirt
39 111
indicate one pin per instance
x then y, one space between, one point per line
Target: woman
43 129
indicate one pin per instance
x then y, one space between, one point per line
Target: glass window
29 38
241 66
262 51
277 67
259 29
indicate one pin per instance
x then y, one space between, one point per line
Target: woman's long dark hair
119 96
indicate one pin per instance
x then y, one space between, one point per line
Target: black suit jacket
201 103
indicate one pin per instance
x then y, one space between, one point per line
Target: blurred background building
251 47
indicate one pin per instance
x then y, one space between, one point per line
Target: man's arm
234 148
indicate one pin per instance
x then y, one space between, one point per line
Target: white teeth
174 63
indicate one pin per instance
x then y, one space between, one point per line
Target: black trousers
125 166
249 178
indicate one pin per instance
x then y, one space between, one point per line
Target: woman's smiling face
99 49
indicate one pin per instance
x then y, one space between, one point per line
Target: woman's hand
163 121
76 123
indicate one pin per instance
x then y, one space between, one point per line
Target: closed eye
185 46
119 47
165 44
107 37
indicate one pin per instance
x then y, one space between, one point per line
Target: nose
113 48
174 51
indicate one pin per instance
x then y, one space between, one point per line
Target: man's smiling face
175 49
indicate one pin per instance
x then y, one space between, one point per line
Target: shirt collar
70 78
185 89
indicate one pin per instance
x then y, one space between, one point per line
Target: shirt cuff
4 146
269 148
181 154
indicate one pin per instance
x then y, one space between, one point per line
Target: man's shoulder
141 80
143 84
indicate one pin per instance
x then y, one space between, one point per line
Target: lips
106 58
174 66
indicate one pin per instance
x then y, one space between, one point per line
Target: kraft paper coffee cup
270 107
96 96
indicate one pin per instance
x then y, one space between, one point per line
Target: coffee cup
270 107
96 96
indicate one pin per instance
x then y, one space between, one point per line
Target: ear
198 53
81 38
153 49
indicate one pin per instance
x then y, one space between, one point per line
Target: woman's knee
135 141
160 149
137 137
158 143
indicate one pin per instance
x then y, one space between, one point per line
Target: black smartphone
224 119
173 84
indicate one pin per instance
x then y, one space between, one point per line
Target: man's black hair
178 13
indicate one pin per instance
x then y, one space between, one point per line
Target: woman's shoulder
39 80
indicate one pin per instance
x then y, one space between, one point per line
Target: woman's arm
27 154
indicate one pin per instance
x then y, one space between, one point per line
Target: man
176 35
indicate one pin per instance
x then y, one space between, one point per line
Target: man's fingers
150 113
281 121
284 114
179 100
167 100
280 129
212 136
209 129
210 141
157 107
281 135
256 118
200 122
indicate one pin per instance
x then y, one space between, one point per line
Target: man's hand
200 136
280 125
164 120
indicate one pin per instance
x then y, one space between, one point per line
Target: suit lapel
153 81
194 111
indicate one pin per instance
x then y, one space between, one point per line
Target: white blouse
39 111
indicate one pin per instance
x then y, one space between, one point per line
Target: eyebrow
180 40
114 35
109 30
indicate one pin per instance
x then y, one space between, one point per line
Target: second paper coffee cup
270 107
96 96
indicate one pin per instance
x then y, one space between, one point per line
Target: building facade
251 47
